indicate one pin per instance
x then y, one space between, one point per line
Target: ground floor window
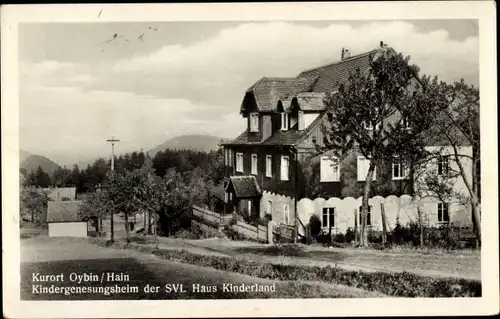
443 214
328 217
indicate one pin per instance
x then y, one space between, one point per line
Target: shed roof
245 186
66 211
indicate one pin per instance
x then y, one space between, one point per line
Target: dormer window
254 122
284 121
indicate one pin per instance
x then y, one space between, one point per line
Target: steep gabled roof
245 186
267 91
66 211
331 76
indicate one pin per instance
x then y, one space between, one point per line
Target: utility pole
113 140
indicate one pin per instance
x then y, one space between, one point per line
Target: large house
267 164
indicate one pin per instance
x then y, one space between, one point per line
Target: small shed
64 221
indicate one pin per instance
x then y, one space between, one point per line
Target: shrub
350 236
401 284
315 226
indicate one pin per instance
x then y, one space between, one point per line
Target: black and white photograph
263 158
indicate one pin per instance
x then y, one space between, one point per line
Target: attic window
284 121
254 122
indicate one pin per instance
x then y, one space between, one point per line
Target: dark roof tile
66 211
245 186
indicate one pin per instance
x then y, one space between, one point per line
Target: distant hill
31 162
189 142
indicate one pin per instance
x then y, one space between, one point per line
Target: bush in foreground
402 284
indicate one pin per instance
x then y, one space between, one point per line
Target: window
301 121
399 169
230 196
239 162
249 207
368 215
226 197
443 165
254 164
269 165
443 215
269 208
285 163
284 121
226 157
363 166
329 169
254 122
286 214
405 123
328 217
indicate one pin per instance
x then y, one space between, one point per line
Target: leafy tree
96 207
381 114
34 201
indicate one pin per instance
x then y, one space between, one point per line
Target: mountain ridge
198 142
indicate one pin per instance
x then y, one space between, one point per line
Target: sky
158 80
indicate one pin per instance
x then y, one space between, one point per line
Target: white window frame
284 121
442 207
254 122
326 212
285 175
335 176
362 175
239 162
443 165
405 123
368 215
269 166
286 214
254 164
403 168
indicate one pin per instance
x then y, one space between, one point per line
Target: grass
402 284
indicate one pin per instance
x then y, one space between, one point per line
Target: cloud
198 87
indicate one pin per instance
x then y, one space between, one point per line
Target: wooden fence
219 221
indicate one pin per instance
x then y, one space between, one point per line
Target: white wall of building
68 229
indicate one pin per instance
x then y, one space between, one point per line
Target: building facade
273 163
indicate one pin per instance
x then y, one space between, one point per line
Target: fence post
355 226
384 229
421 224
270 232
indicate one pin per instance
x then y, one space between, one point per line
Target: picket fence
403 209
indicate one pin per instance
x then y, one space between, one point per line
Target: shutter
361 169
301 121
440 213
326 170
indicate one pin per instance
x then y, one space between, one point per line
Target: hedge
402 284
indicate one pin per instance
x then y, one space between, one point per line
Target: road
55 256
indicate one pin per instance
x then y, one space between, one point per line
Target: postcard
248 160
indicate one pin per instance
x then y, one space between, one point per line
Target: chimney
345 54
